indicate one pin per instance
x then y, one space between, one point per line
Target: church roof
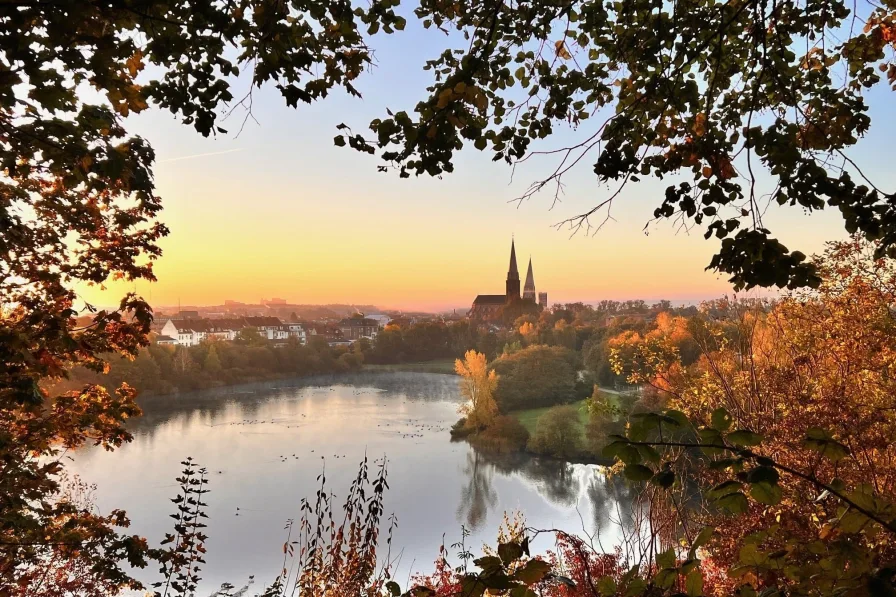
490 299
530 279
513 273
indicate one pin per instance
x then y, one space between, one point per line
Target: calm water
264 445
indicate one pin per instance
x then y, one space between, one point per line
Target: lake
264 446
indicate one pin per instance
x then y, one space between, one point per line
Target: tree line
164 369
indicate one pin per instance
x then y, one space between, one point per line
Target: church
487 307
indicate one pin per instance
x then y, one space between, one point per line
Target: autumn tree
809 378
212 363
78 207
477 386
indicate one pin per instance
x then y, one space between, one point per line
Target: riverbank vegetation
159 370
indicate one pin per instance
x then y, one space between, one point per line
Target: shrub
536 376
505 434
558 433
460 430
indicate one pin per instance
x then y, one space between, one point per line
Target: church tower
513 277
529 288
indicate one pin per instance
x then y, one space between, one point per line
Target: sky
279 211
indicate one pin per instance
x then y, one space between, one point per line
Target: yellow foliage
478 386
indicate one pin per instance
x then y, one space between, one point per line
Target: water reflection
265 445
478 494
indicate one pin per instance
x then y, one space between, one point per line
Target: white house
193 331
268 327
181 332
296 330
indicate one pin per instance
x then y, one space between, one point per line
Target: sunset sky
280 211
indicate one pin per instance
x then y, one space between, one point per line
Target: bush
460 430
558 433
534 377
505 434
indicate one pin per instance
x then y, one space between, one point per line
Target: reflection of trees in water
612 503
555 480
612 500
210 406
477 494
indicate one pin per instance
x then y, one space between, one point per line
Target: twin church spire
513 279
490 307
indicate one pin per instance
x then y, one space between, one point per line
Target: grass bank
529 417
436 366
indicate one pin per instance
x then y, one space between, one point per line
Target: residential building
268 327
355 328
296 330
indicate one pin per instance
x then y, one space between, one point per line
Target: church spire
513 273
513 277
529 288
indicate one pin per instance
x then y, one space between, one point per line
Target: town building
296 330
268 327
165 341
190 332
355 328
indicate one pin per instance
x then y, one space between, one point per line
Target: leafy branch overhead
736 105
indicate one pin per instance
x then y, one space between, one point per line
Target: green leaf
489 564
735 503
664 479
606 586
724 488
666 559
393 588
763 474
624 451
472 586
510 552
820 440
649 454
339 141
533 572
766 493
721 420
693 583
744 437
750 555
638 472
636 587
665 578
702 538
676 418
